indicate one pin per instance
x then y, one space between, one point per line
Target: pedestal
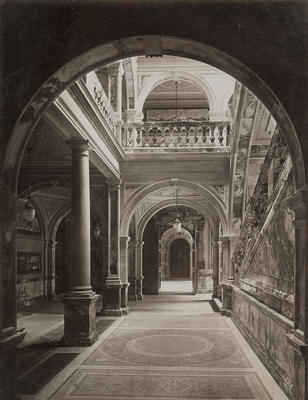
139 287
132 290
226 299
79 319
8 373
300 367
124 298
112 297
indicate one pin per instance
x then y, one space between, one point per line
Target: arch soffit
156 79
133 46
181 202
57 218
169 236
215 206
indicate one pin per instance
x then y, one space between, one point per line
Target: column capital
78 145
216 242
140 244
132 243
113 184
124 240
116 68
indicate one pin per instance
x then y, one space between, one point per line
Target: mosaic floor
160 354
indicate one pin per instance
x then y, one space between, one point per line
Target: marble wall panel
266 330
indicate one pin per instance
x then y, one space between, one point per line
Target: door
180 260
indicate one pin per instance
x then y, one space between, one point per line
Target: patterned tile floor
168 347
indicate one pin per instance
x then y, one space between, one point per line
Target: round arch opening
139 45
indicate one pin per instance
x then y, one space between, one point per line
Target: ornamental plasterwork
143 207
220 189
130 191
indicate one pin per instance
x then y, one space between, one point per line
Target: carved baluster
139 136
220 135
168 138
212 137
130 141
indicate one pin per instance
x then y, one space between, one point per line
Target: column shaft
80 266
113 286
139 270
79 302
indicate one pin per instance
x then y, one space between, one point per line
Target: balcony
177 136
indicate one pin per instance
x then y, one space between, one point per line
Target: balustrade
98 94
165 135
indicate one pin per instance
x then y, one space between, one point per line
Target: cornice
72 118
86 103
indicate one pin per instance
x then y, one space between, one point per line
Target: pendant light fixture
29 210
177 226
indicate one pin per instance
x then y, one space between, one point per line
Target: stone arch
215 205
162 77
139 45
168 237
181 202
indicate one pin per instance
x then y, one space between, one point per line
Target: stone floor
168 347
180 286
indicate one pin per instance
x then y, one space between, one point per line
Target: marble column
132 276
51 273
233 241
113 286
299 339
195 277
124 240
215 245
225 243
139 277
79 302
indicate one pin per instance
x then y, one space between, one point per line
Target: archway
129 47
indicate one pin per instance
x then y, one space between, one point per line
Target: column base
226 299
124 298
79 319
8 373
139 290
112 297
132 290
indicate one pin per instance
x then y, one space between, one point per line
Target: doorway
180 260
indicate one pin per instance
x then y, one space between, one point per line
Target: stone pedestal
139 287
300 349
79 319
226 299
132 289
112 304
124 298
8 373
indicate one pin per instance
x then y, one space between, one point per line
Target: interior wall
30 262
264 261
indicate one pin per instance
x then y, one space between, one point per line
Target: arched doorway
180 260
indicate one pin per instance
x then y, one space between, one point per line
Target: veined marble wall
270 274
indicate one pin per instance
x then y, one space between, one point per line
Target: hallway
169 347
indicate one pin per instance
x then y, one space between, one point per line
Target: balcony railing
209 136
98 94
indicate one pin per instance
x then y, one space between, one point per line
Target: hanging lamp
177 226
29 210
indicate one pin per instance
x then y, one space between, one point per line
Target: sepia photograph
153 199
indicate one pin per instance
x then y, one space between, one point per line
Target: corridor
169 347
